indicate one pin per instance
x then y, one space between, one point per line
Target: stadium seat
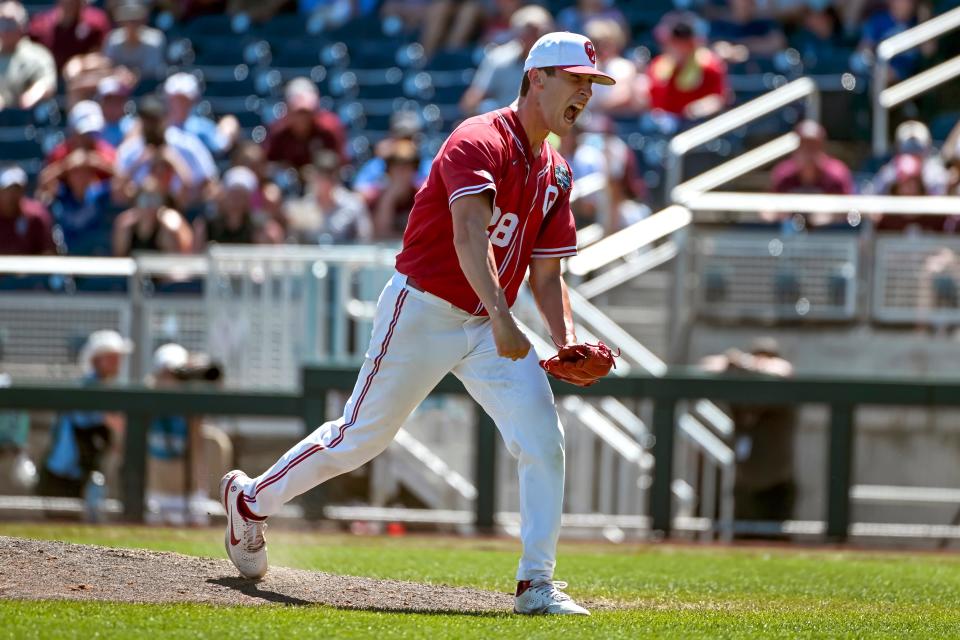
296 52
372 54
452 60
945 292
233 87
280 27
21 148
214 24
15 117
715 286
943 124
786 287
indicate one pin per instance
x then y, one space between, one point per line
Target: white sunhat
101 342
571 52
170 357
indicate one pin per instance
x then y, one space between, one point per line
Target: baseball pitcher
496 203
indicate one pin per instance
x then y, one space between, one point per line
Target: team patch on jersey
562 176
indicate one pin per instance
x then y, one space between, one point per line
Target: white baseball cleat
545 596
246 546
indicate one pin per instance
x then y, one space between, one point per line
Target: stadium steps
641 306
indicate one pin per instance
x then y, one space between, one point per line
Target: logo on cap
591 52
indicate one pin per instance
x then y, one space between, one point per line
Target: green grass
665 591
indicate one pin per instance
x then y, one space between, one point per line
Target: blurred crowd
150 171
84 455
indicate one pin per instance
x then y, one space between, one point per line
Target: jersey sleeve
470 162
558 234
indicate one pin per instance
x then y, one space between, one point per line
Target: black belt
413 284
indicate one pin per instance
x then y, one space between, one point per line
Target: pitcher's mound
40 569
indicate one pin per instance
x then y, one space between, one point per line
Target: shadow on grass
251 588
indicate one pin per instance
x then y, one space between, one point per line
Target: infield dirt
39 569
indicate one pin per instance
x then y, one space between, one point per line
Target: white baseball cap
240 177
571 52
182 84
170 357
85 117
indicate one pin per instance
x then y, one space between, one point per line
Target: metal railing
763 275
815 203
666 392
801 89
884 97
916 280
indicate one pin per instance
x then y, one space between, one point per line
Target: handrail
68 265
628 270
926 30
623 242
817 203
920 83
736 167
680 145
889 49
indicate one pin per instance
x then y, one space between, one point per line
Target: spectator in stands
819 36
913 138
599 157
85 124
234 220
495 83
81 440
183 91
178 158
899 16
443 24
28 74
135 45
764 436
497 29
687 80
908 181
392 203
404 125
26 227
305 129
810 170
258 11
175 465
113 95
82 75
951 159
269 197
80 201
578 17
151 225
70 29
745 34
328 213
628 96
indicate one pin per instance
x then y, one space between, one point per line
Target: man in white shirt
135 45
27 71
495 83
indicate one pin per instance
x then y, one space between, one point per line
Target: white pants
417 339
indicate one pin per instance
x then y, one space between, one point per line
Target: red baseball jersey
531 216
